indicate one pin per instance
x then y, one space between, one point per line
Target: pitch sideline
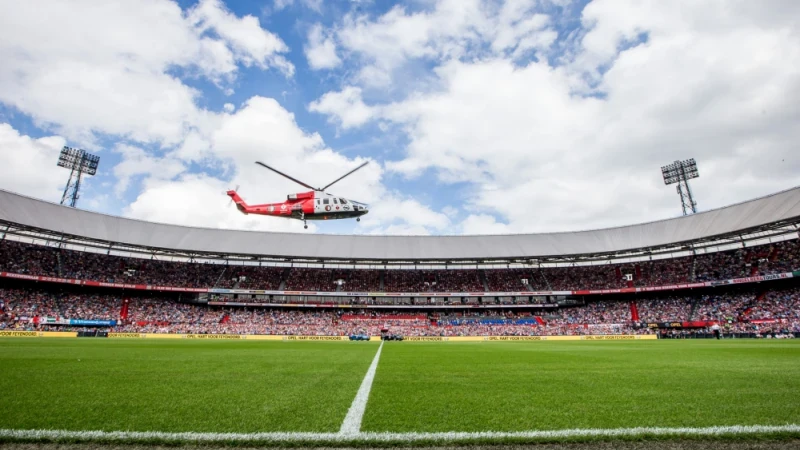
383 437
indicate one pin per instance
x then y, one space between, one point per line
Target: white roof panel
18 209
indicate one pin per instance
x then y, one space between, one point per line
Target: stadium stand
25 306
734 265
763 260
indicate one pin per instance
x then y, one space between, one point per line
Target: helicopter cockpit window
324 201
342 201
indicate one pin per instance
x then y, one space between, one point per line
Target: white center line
352 421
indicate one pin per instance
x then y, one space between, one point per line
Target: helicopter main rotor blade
345 175
286 176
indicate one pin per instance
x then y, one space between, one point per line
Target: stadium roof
778 212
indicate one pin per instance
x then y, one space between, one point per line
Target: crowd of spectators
303 279
408 281
744 312
670 309
458 280
30 259
250 277
508 280
725 308
599 312
781 305
359 280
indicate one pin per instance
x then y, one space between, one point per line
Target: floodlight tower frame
79 162
680 172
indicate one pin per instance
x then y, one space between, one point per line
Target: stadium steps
547 283
123 312
382 280
58 264
284 278
694 307
224 269
482 279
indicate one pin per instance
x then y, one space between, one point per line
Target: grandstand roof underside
777 213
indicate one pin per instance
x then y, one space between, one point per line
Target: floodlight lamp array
77 159
680 171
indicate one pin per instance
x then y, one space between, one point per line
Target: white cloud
483 224
136 162
520 29
395 215
388 42
483 126
321 50
345 107
250 43
282 4
85 68
314 5
390 46
28 165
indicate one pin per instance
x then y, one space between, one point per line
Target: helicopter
314 205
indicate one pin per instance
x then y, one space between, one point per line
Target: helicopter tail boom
240 204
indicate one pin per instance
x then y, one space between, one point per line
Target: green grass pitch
245 387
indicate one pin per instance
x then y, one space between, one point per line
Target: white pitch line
138 436
352 421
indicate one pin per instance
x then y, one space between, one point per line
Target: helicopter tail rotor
235 190
240 204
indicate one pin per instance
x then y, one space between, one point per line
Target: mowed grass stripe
508 387
179 386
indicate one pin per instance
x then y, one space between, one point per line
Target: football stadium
123 331
400 224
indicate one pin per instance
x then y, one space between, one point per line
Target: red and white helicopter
314 205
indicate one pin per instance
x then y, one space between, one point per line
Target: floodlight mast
78 162
680 172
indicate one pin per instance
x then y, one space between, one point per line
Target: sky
477 116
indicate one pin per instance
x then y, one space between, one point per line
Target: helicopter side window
342 201
317 202
335 202
324 201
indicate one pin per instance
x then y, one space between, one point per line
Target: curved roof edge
28 212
